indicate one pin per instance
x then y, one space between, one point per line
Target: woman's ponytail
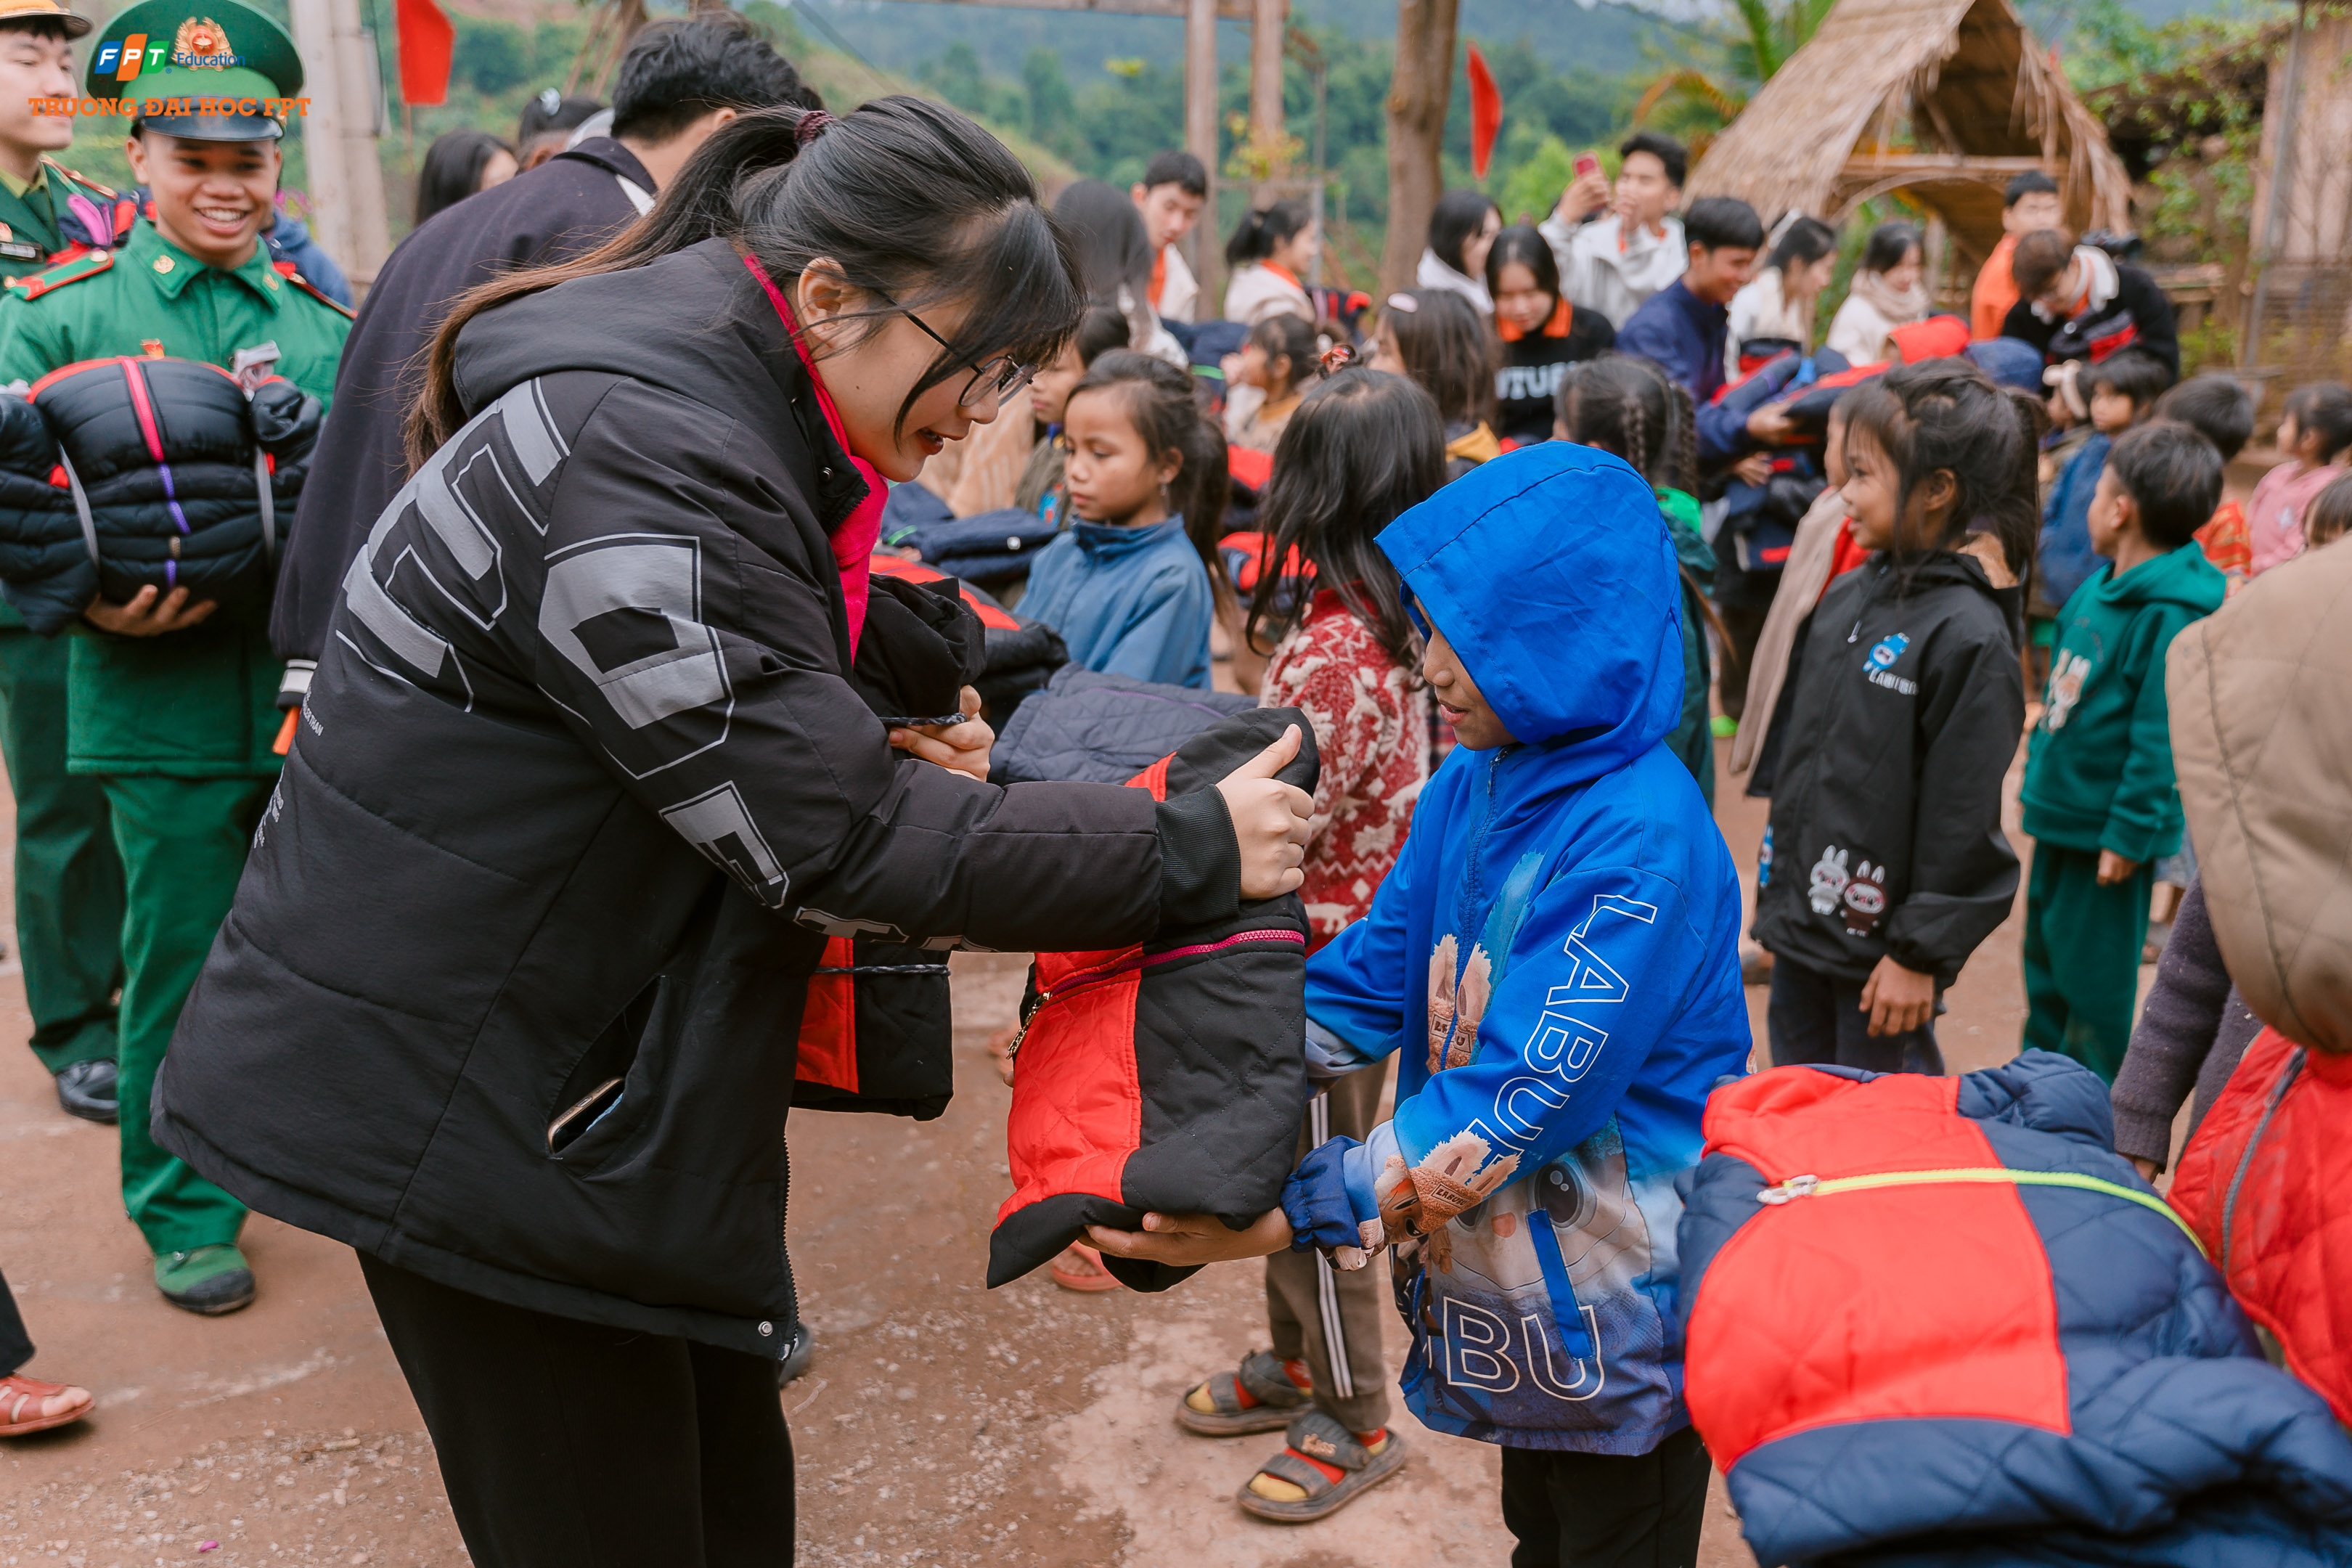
1262 229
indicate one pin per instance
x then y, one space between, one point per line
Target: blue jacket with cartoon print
1555 955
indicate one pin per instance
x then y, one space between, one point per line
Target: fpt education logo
129 58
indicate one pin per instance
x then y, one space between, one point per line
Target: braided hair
1628 408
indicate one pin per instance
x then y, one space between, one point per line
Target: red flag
426 40
1485 109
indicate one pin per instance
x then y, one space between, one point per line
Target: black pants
567 1445
16 1349
1818 1018
1607 1511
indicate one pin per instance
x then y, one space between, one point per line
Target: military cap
16 11
212 70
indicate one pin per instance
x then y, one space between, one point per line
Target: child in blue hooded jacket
1554 958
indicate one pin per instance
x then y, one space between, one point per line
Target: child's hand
1188 1240
1270 819
2147 1168
959 748
2114 869
1898 1000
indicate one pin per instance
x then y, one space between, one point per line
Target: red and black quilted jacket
1167 1076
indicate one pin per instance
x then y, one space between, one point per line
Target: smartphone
566 1128
1587 164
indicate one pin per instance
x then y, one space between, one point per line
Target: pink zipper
1087 980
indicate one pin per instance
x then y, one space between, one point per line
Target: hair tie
812 126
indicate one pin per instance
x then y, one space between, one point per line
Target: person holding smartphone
508 998
1617 244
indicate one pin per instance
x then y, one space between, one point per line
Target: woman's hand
959 748
1269 819
1189 1240
144 617
1898 1000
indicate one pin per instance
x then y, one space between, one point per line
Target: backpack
1170 1075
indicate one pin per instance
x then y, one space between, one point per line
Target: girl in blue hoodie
1554 960
1128 584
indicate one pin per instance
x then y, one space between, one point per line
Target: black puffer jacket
577 795
1901 712
127 473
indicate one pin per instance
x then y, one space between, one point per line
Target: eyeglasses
991 384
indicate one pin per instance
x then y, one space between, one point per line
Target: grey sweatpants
1330 1318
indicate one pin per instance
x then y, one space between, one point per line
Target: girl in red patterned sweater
1362 447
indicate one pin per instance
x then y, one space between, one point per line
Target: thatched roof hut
1942 100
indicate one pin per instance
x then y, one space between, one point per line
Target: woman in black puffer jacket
580 793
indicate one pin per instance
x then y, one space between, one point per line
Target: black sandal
1319 1445
1257 1397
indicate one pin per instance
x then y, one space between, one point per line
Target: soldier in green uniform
172 709
69 881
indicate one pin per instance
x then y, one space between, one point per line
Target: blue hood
1551 572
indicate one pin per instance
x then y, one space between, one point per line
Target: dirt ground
940 1424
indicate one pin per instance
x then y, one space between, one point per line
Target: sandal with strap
1328 1464
1080 1267
28 1405
1256 1396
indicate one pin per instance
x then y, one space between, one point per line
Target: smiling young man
171 707
68 887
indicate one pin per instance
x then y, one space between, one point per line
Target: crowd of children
1523 543
2044 489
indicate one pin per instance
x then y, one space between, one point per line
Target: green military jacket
30 235
30 232
200 703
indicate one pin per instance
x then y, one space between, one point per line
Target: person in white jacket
1272 252
1170 197
1461 230
1887 292
1612 264
1779 304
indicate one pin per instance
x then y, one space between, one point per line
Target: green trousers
183 843
69 879
2082 953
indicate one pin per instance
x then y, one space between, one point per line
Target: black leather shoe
87 1090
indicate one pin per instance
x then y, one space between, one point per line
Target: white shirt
1180 292
1258 291
1435 273
1596 275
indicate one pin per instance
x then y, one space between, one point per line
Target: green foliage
1535 184
1720 64
492 55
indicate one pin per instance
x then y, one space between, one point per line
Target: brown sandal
28 1405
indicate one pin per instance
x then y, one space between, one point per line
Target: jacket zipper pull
1857 630
1794 1187
1022 1033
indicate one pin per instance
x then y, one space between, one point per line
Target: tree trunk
1418 94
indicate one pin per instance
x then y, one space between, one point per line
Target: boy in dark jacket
2077 302
1681 328
2122 390
2099 797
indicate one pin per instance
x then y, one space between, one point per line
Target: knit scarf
1897 306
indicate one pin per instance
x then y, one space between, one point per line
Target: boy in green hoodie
2099 797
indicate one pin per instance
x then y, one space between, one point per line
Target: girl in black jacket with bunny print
1885 863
